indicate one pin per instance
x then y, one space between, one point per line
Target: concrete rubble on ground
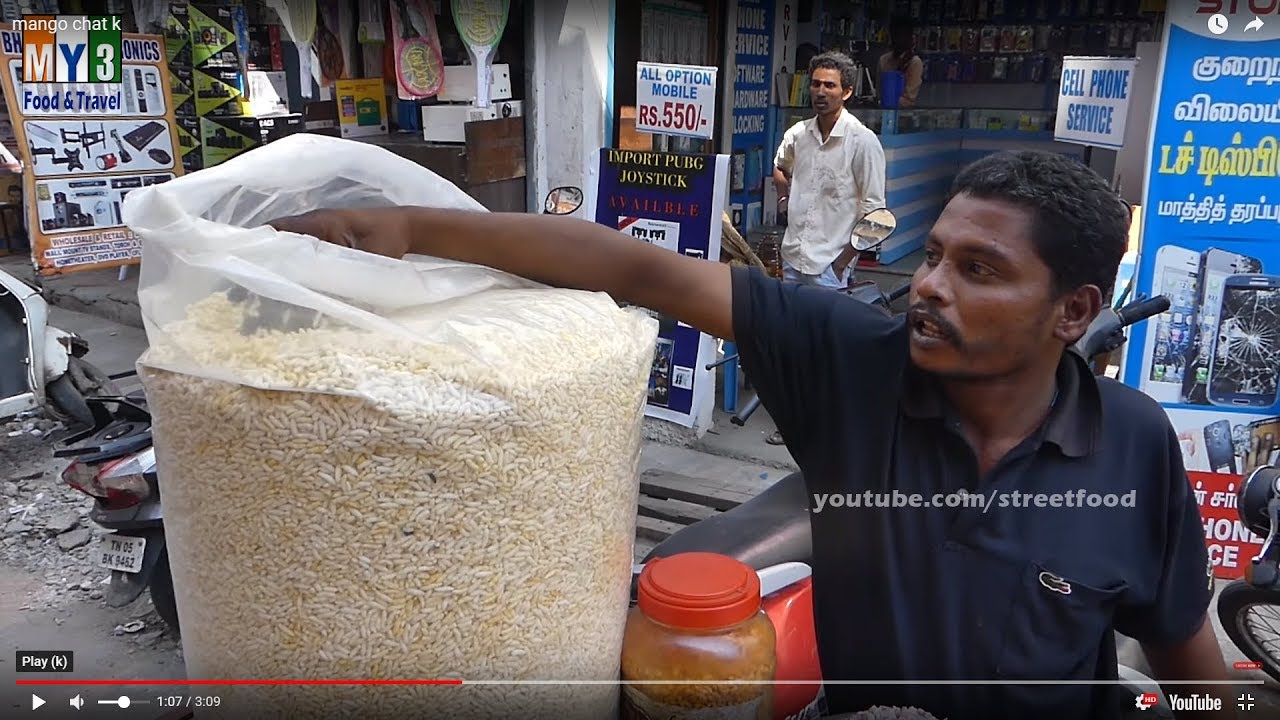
46 529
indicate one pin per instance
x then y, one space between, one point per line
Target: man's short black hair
837 61
1080 228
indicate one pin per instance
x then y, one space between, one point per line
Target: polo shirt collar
1073 423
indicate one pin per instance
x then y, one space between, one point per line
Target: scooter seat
768 529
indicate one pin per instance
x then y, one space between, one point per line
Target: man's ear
1079 308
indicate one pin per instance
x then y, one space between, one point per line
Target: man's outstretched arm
557 251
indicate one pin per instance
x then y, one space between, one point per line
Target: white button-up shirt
833 184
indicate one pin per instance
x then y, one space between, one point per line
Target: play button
36 701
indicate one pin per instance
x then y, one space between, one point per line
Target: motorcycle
45 366
1258 592
771 534
114 462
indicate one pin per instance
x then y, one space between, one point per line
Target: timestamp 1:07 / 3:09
173 701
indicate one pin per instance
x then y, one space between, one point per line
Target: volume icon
76 702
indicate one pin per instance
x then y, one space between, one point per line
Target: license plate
121 552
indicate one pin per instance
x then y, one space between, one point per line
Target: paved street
51 596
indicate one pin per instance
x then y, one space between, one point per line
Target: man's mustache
921 311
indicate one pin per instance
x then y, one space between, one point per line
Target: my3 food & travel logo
71 63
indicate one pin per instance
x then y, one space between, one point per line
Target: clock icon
1217 24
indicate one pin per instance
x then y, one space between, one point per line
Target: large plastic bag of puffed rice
438 478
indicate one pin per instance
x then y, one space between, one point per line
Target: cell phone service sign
1211 240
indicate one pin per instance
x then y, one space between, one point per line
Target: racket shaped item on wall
416 49
300 20
481 24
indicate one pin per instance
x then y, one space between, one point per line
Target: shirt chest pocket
833 175
1055 626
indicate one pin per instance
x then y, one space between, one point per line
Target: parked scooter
1248 607
771 533
115 463
43 366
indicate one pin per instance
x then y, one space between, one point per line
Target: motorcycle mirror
874 228
563 200
1255 495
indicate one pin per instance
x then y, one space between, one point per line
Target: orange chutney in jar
698 617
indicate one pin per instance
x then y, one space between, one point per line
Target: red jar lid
698 590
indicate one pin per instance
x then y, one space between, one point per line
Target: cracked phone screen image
1247 354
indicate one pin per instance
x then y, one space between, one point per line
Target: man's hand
382 232
838 268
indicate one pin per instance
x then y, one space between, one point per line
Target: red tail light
83 478
119 484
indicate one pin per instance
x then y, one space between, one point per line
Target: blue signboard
674 201
1211 241
751 93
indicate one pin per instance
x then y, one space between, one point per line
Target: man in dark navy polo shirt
1087 524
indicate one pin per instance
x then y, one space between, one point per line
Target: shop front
992 72
444 84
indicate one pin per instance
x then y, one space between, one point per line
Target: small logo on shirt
1055 583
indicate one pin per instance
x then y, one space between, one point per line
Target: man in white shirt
829 172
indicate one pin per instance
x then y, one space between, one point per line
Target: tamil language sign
1093 100
675 202
1209 243
676 99
1231 544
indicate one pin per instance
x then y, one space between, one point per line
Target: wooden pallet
670 501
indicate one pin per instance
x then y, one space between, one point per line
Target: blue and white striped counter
919 169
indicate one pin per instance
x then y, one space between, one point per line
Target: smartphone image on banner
1177 276
1216 265
1244 363
1264 440
660 375
1219 447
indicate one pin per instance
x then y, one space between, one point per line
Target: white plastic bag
437 480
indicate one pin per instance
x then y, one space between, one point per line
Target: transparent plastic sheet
435 478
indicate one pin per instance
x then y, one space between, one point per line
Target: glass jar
770 254
698 617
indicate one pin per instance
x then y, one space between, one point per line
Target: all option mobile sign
1093 100
85 145
676 99
1211 244
675 202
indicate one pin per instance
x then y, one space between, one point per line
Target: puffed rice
347 504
